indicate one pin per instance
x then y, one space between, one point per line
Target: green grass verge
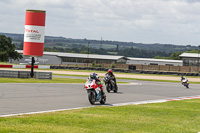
169 117
129 78
5 63
54 80
89 71
119 73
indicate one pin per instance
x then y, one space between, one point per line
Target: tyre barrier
125 70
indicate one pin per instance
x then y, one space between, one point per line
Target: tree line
129 52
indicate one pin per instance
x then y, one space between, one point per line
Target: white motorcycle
185 82
94 92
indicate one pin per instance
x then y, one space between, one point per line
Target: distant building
190 59
149 61
58 58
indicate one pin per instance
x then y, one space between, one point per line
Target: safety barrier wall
25 66
8 74
43 75
24 74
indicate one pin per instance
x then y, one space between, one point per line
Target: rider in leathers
110 74
183 78
97 80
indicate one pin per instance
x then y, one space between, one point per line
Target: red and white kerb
34 33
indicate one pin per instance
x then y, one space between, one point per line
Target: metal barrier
43 75
24 74
8 74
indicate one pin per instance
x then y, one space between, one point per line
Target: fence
24 74
163 68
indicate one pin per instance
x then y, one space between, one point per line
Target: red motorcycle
94 92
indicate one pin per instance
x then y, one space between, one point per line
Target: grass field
168 117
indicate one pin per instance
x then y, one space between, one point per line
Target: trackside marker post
34 35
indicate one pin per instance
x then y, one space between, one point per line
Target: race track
18 98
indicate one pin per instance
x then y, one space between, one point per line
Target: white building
190 59
149 61
58 58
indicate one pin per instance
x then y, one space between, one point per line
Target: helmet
93 75
109 71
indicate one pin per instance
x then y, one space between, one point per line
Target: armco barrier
24 74
25 66
18 66
6 66
43 75
43 67
8 74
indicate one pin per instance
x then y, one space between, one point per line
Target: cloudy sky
141 21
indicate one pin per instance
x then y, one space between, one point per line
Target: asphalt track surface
18 98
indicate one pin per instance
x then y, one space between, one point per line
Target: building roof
77 55
157 60
190 55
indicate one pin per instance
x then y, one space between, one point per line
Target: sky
139 21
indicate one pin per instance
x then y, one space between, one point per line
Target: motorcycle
110 84
185 82
94 92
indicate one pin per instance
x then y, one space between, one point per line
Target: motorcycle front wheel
108 87
103 99
116 89
91 97
187 86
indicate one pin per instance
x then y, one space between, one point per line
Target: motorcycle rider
183 78
98 81
110 74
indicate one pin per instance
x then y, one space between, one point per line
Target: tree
175 56
7 49
193 51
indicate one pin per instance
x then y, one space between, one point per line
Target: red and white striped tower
34 33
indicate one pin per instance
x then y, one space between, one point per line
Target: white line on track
112 105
